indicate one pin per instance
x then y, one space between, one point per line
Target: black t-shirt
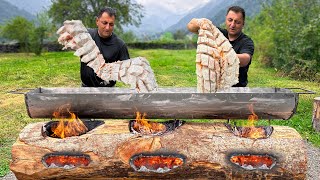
243 44
112 49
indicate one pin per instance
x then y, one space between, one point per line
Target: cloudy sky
177 6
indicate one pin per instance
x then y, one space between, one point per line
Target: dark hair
110 11
237 9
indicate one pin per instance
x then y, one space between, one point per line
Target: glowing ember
251 162
143 126
68 126
66 161
156 163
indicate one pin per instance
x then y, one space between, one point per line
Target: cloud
176 6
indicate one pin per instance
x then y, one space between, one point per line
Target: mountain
156 19
31 6
215 10
8 11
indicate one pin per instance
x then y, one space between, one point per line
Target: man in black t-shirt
241 43
111 47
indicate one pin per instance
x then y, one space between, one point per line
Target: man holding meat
111 47
241 43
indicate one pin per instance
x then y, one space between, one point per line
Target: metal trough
166 103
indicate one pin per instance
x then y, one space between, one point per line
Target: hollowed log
206 147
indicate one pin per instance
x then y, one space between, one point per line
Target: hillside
215 10
31 6
8 11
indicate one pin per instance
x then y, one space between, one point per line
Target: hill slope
9 11
215 10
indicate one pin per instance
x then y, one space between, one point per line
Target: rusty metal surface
166 103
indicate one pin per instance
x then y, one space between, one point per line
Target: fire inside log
142 126
251 131
255 132
158 163
65 160
252 162
69 125
48 128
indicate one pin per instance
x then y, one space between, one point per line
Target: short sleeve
247 47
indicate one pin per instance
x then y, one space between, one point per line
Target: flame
256 161
253 117
67 127
145 127
252 131
156 162
63 160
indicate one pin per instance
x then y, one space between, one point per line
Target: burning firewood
217 64
136 71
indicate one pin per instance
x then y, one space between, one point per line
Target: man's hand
244 59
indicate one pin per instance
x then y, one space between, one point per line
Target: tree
128 12
43 26
179 34
287 33
166 37
128 36
18 29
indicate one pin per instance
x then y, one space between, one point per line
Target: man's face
234 23
105 25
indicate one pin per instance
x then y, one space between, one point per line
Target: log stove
112 148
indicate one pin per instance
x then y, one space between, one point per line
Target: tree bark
207 148
316 114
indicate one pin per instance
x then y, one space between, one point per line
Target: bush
287 34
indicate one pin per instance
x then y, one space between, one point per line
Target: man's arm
246 52
244 59
124 53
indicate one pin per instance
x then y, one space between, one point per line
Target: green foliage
36 39
18 29
166 37
287 34
128 12
180 34
128 36
29 34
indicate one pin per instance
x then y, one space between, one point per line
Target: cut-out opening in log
65 160
253 161
48 130
154 128
252 132
157 162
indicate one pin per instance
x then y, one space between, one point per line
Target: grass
174 68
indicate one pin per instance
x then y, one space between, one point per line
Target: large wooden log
316 114
206 147
178 103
